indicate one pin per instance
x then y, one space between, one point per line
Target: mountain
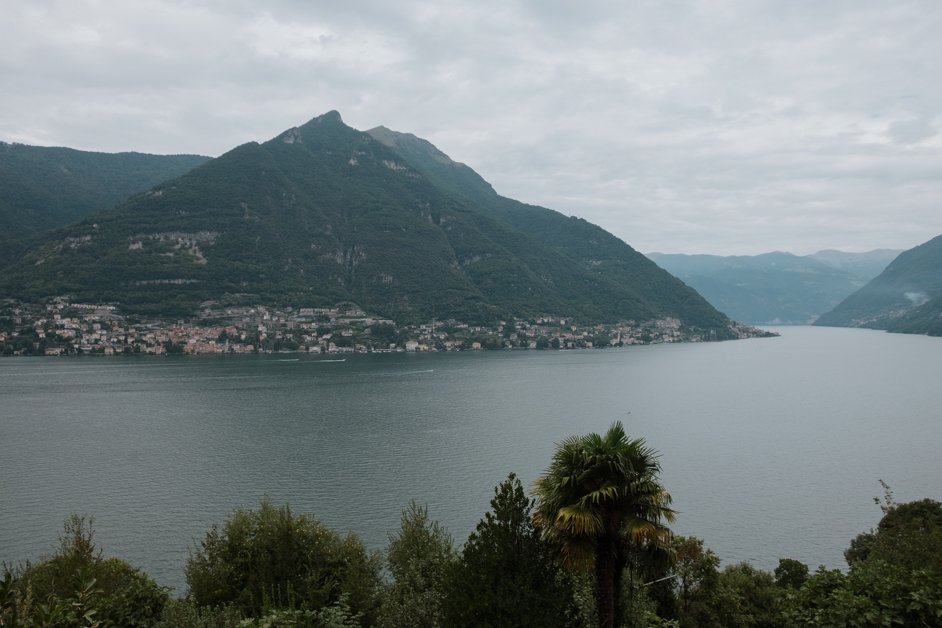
43 188
906 297
607 259
866 265
324 213
772 288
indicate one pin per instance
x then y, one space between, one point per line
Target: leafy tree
384 333
640 601
895 575
695 577
419 556
790 573
823 600
78 587
508 575
269 559
601 501
746 597
908 534
703 596
172 347
873 593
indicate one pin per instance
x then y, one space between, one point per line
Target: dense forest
591 547
43 188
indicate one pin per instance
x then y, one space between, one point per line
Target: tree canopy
601 502
508 575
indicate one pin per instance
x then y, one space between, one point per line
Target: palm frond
603 485
578 521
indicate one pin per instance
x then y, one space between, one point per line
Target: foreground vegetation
592 549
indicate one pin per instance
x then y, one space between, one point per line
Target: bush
185 612
269 559
419 556
76 586
895 575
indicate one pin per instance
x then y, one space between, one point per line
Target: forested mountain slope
609 259
906 297
43 188
324 213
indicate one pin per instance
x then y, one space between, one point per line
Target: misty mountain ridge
323 213
777 287
866 264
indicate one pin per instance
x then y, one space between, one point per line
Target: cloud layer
712 126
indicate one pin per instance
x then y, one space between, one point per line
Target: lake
770 447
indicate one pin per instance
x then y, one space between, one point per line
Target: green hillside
610 262
906 297
325 213
43 188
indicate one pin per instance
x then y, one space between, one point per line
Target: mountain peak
331 116
330 119
324 132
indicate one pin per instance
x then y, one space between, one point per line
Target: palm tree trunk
605 559
620 562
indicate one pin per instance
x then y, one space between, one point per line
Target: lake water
771 447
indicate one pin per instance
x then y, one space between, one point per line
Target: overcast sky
694 126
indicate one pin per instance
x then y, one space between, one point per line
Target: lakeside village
64 328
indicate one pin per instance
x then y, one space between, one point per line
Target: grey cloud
911 131
719 126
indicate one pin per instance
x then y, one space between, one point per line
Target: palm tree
600 499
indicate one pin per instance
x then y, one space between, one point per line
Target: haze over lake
771 447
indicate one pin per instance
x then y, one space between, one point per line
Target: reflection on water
771 447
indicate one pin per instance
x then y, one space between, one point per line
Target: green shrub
76 586
419 557
270 559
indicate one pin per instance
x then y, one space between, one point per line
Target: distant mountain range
906 297
324 213
866 265
776 288
44 188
